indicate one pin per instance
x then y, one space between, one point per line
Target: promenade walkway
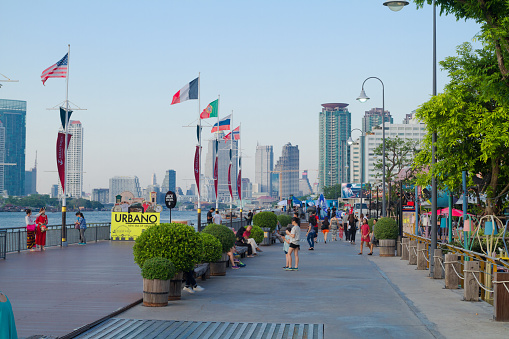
352 296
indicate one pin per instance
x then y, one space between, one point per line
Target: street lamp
363 98
395 6
434 193
350 142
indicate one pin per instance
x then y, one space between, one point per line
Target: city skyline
258 69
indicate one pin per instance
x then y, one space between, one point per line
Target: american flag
58 70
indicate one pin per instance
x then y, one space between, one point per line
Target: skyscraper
264 165
288 168
31 181
13 118
101 194
121 184
2 158
373 118
169 181
74 185
335 127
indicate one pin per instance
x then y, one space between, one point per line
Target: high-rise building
288 168
223 149
31 181
13 118
355 161
169 182
101 194
2 158
54 191
373 118
304 185
247 188
154 180
121 184
264 165
335 126
74 185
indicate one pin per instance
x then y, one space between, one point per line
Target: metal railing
487 265
16 237
236 223
3 243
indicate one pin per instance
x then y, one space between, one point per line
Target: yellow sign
128 226
409 222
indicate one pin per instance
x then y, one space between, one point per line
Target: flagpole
240 170
216 184
230 174
64 186
199 158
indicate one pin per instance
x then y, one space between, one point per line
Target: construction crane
7 79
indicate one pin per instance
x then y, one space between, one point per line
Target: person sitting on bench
241 241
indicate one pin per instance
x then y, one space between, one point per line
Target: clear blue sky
272 62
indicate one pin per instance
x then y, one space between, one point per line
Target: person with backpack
352 228
311 234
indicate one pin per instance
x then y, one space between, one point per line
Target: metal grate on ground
133 328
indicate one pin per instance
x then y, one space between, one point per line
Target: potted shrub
257 234
284 220
386 231
227 239
156 273
267 221
177 242
212 250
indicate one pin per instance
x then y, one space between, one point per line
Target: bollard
398 246
471 292
404 248
422 264
438 271
412 255
501 296
451 278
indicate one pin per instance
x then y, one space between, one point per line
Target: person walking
372 238
82 224
286 245
249 217
352 229
217 219
345 226
334 225
42 226
294 246
209 215
365 235
325 228
31 227
310 235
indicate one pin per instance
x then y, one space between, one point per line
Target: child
364 235
294 246
286 245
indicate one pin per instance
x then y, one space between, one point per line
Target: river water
17 219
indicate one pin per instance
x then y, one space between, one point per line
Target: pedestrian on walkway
217 218
191 286
249 217
346 227
310 235
365 235
31 227
294 246
352 228
325 228
334 226
82 224
286 245
42 226
209 215
372 238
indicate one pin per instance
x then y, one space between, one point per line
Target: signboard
409 222
353 191
128 226
170 199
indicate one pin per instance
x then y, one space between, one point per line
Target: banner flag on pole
235 133
197 168
239 185
215 175
62 117
58 70
223 125
61 157
198 130
188 92
210 111
230 180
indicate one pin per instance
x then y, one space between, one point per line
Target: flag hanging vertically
210 111
188 92
197 168
58 70
236 134
223 125
239 185
62 117
215 176
61 157
230 179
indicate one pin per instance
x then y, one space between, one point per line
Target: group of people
216 218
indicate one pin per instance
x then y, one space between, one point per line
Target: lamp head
395 6
349 141
363 97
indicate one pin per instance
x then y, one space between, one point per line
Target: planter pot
176 287
219 268
155 292
266 237
207 274
387 247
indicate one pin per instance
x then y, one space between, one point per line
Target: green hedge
370 224
212 248
176 242
284 220
265 220
158 268
222 233
257 234
386 228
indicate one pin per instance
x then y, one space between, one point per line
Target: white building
355 161
121 184
74 159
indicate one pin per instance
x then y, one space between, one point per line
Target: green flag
210 111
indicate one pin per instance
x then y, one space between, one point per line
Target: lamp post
396 6
350 142
363 98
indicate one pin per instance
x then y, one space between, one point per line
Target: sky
272 62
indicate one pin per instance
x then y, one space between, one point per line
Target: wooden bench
201 271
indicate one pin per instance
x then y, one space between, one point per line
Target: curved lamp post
363 98
350 142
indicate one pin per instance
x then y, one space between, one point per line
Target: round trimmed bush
284 220
222 233
177 242
386 228
158 268
257 234
370 224
265 220
212 248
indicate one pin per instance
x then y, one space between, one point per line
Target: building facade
304 185
120 184
13 118
169 181
373 118
335 126
288 169
31 181
264 165
101 194
355 161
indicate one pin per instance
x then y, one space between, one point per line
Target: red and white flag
58 70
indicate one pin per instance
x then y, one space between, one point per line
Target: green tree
471 118
332 192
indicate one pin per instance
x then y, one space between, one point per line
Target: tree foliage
399 153
332 192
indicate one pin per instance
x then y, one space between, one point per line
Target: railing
16 237
3 243
236 223
487 265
